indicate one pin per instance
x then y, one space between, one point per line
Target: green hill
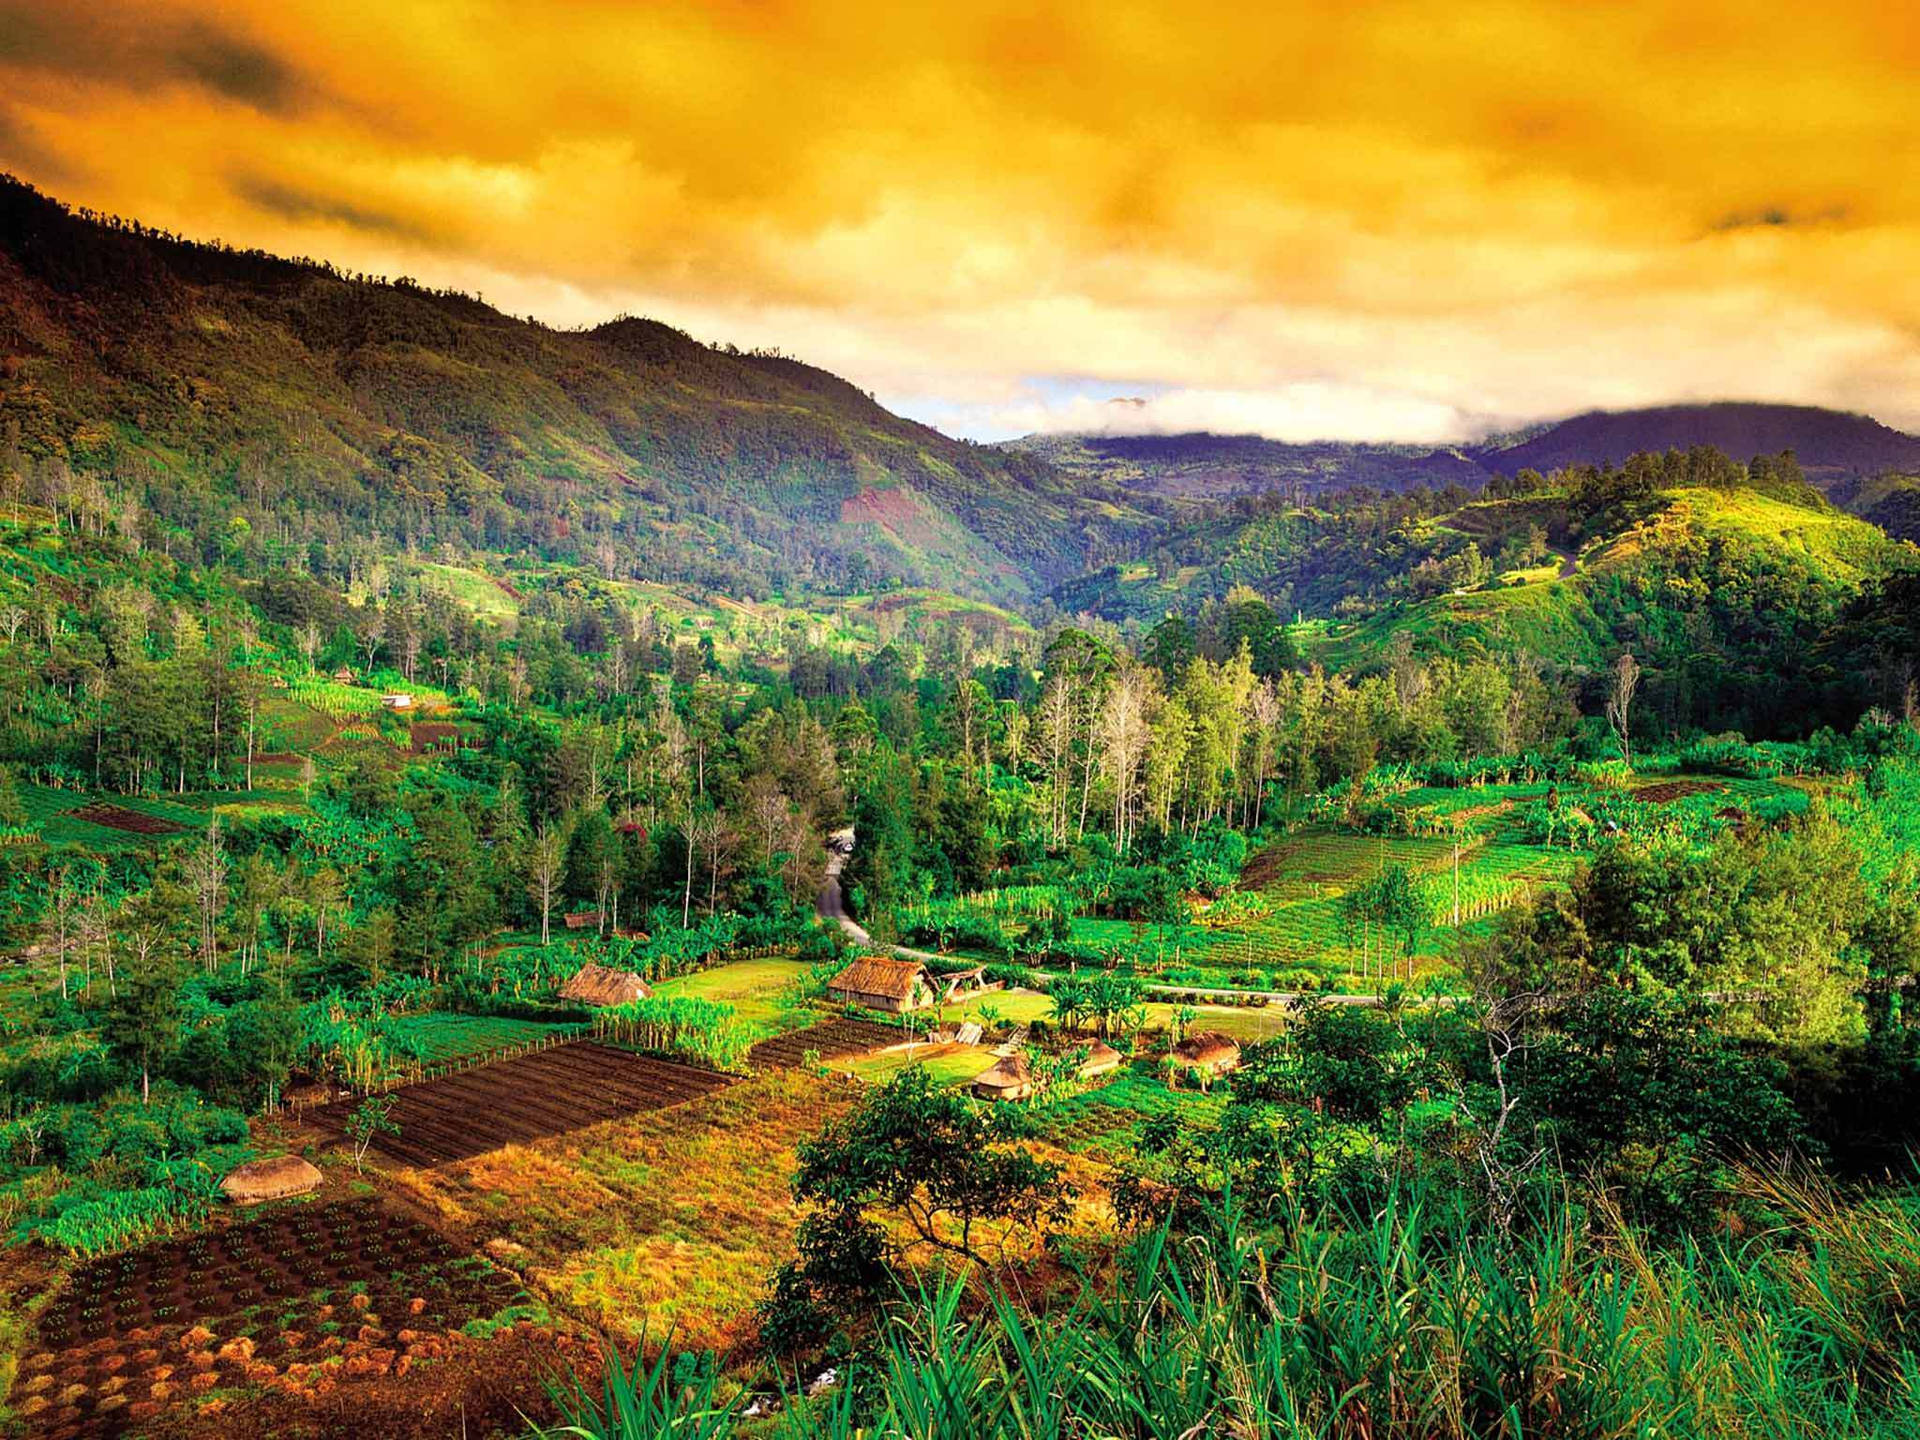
270 403
1719 593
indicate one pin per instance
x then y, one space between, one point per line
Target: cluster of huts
896 986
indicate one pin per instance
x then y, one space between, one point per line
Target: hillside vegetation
1720 577
270 406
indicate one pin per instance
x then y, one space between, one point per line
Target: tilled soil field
834 1037
1667 791
513 1101
119 817
299 1301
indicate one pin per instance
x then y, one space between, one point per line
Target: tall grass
1406 1322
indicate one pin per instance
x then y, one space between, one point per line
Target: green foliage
1402 1320
918 1155
687 1027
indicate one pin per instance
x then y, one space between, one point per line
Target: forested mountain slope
1723 578
1830 445
262 401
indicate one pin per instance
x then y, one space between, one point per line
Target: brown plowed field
1667 791
513 1101
835 1037
119 817
311 1293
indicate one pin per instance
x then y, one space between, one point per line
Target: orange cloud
1479 210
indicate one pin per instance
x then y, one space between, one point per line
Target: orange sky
1354 219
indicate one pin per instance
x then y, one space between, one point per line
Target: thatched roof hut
273 1179
1011 1078
1101 1059
1207 1050
602 985
582 919
882 984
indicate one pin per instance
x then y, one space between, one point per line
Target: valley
575 878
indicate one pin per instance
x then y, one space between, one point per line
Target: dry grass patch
667 1219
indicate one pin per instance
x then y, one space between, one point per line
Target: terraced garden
527 1098
104 822
312 1295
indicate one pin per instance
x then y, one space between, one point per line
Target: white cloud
1299 412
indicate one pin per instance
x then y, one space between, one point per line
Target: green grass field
947 1064
762 992
1105 1122
443 1038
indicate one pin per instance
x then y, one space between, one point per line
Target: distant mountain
1832 446
322 409
1205 467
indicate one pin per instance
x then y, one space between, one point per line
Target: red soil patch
894 511
118 817
1668 791
439 735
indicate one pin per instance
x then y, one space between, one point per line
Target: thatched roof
1009 1079
1101 1057
582 919
1207 1047
877 975
273 1179
599 985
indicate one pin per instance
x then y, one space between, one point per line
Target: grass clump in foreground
1411 1320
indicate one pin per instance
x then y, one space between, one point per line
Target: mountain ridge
1837 450
354 404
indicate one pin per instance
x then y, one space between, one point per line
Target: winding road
831 904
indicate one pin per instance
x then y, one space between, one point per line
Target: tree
206 868
371 1118
918 1153
1625 680
143 1017
546 861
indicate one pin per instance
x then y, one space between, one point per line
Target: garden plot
828 1040
134 822
514 1101
311 1295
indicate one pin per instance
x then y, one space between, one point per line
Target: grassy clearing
438 1038
764 992
485 597
948 1064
